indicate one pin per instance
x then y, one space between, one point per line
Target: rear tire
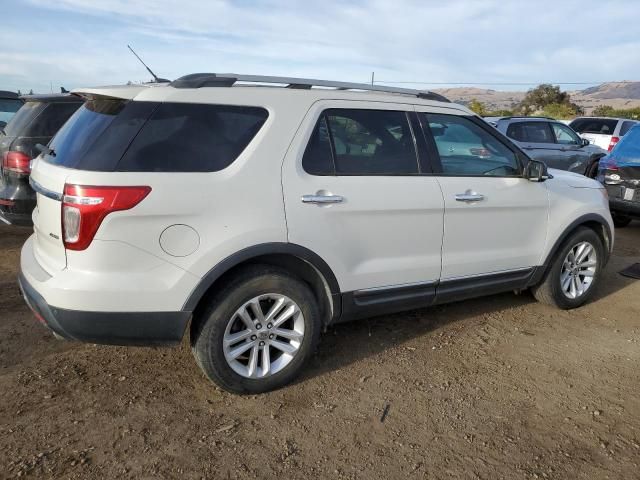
571 280
592 171
237 319
621 221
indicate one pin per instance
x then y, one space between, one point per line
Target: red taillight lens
16 162
613 142
84 208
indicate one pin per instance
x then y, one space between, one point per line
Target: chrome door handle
469 196
320 199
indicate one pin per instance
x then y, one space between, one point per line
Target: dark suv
39 118
551 142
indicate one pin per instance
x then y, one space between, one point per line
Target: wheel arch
593 221
300 261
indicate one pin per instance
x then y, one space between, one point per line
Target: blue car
620 173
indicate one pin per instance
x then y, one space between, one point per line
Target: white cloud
409 40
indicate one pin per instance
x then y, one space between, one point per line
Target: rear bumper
111 328
624 207
17 201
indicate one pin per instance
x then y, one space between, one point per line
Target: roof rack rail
199 80
539 117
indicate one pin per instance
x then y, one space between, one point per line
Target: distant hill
616 94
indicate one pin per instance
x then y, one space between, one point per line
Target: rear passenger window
532 132
184 137
466 149
372 142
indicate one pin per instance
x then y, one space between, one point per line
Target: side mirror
585 142
536 171
2 124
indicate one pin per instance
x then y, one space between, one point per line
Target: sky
510 44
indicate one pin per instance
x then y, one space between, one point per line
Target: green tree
603 111
560 111
537 99
478 107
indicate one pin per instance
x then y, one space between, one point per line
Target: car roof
8 94
520 118
231 86
607 118
53 97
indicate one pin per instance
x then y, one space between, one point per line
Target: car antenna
156 79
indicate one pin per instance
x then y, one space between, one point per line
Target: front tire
574 273
256 334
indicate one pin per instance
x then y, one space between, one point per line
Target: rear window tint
183 137
23 118
51 119
119 135
533 132
97 135
603 126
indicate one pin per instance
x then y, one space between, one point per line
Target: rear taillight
613 142
16 162
84 208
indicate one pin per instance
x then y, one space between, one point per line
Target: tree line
547 100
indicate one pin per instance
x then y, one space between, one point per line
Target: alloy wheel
578 270
263 336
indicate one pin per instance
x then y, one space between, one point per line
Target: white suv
257 215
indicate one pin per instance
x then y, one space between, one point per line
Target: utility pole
373 76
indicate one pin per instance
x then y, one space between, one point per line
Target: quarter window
466 149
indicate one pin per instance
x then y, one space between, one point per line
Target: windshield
8 108
23 118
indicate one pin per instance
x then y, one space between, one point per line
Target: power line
503 83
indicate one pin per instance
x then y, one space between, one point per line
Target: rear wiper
44 149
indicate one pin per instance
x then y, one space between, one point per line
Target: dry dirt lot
499 387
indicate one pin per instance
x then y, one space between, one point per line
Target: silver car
552 142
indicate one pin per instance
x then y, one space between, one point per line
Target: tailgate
48 181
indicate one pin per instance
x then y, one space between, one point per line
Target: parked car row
35 123
552 142
256 215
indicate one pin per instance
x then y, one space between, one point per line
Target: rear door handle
320 199
469 196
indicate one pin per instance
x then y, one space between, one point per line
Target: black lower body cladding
109 328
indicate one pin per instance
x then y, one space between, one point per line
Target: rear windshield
603 126
23 118
120 135
8 107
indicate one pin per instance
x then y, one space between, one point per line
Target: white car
255 215
602 131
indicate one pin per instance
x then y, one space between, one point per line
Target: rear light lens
613 142
84 208
16 162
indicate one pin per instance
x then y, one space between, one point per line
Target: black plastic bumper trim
109 328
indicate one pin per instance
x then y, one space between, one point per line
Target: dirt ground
499 387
